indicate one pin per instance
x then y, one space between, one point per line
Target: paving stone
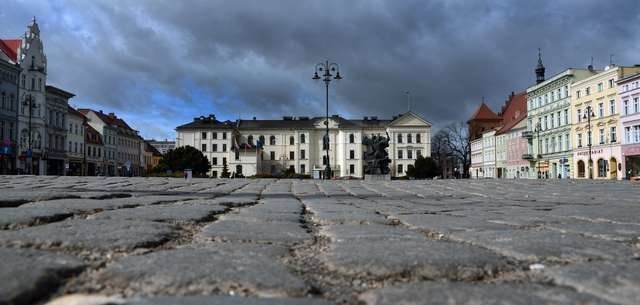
199 270
435 293
17 197
257 216
371 233
618 282
541 245
92 205
102 234
189 300
12 218
185 211
236 230
423 258
27 276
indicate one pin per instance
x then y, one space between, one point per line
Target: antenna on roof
407 93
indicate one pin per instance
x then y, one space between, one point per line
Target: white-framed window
636 105
600 109
612 107
566 116
399 154
600 87
611 83
627 134
601 135
612 135
553 121
579 115
625 107
587 91
579 140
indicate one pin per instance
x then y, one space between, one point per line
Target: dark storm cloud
255 58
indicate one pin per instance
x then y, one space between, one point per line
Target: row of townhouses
580 123
42 134
250 147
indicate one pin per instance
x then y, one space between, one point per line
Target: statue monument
376 158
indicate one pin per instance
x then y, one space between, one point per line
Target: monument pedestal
377 177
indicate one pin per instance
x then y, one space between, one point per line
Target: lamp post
537 129
588 114
327 69
28 102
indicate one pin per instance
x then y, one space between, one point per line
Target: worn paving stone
191 271
185 211
543 245
421 258
438 293
26 276
273 232
100 234
12 218
188 300
93 205
618 282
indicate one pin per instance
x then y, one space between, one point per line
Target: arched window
602 168
580 169
399 138
272 140
261 139
250 140
292 140
352 138
418 138
302 138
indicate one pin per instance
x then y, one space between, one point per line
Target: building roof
92 136
207 122
10 47
109 119
77 113
57 91
514 111
149 148
484 113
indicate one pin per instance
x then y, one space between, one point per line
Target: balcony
527 156
527 134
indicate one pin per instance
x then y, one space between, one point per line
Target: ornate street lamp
327 69
537 129
588 114
28 102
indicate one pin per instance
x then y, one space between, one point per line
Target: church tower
539 69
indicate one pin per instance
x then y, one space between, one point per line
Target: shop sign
586 153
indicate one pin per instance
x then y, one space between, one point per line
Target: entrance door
613 169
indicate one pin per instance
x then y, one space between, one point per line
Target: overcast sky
160 63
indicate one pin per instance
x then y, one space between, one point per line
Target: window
302 154
600 109
578 94
625 107
553 121
214 135
204 147
352 138
400 169
579 115
302 169
399 138
567 142
352 154
214 161
613 135
409 154
214 147
600 87
546 122
352 169
611 83
399 154
204 136
636 105
627 134
291 140
559 120
272 140
418 138
261 139
272 155
409 140
612 107
302 139
602 168
291 155
587 91
250 140
324 160
237 154
566 116
224 135
418 153
224 147
601 135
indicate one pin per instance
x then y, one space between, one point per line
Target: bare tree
456 140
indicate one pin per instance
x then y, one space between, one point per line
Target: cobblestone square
100 241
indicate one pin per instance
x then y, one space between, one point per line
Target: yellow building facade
596 127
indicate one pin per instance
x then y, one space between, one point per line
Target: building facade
57 102
549 124
629 104
596 97
9 75
476 169
75 143
510 145
296 144
162 146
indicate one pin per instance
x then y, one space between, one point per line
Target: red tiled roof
514 112
10 47
484 113
110 118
